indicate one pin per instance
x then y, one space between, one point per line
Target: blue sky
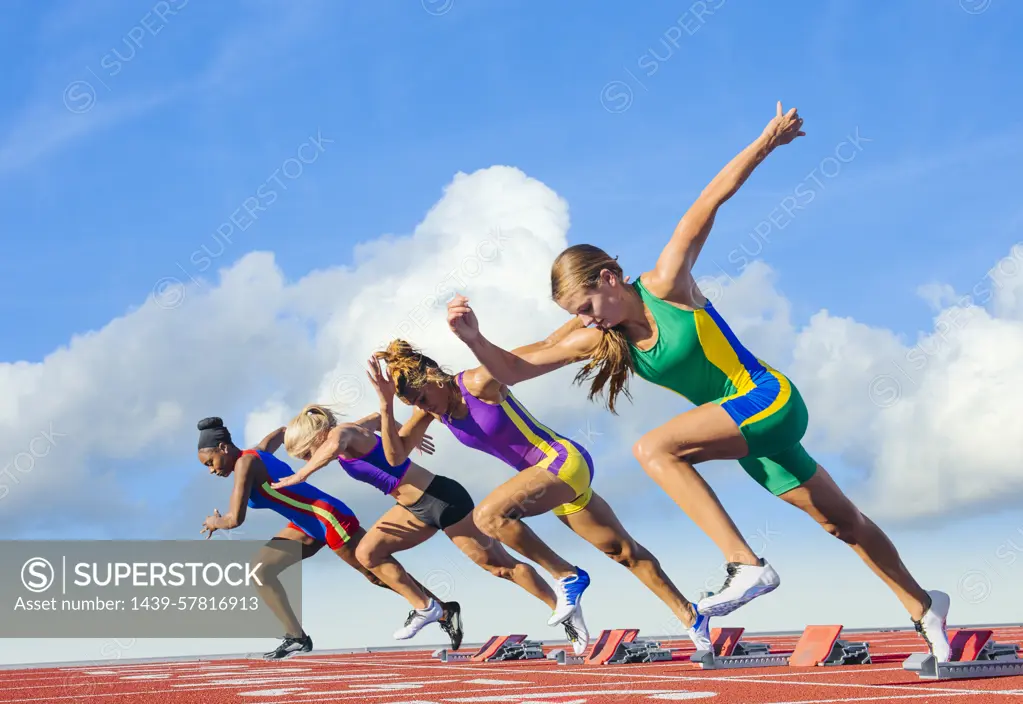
411 98
106 194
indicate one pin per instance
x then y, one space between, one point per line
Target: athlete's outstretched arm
678 257
337 440
572 342
235 516
272 442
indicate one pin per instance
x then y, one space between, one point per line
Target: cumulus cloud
933 425
109 412
115 406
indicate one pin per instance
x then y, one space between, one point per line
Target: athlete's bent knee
489 519
647 448
369 555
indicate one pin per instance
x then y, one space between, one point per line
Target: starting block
728 642
498 648
615 647
818 645
974 654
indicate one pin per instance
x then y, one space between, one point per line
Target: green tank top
696 354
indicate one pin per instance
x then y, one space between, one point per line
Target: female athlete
662 328
317 519
554 474
426 503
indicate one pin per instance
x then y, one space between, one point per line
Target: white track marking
873 699
570 671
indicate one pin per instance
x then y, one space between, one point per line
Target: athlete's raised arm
570 343
244 472
672 272
272 441
335 443
398 442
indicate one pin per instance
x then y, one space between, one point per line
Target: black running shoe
290 646
451 623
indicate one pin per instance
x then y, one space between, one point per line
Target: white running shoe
418 619
743 584
700 631
578 634
569 591
933 626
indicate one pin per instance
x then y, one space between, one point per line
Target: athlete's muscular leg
492 556
274 561
531 492
348 553
824 501
668 454
395 531
598 525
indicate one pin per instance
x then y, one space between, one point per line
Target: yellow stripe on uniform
784 392
720 353
550 454
319 511
573 452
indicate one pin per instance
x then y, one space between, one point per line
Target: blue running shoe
700 631
570 593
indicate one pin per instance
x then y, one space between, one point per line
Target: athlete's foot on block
290 646
743 584
418 619
452 623
577 632
569 591
933 627
699 633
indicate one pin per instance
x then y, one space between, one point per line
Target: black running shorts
444 503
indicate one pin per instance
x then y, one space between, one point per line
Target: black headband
212 432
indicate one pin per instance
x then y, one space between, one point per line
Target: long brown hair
410 369
579 267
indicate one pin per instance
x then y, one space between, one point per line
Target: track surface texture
413 677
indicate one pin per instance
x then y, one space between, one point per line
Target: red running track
416 678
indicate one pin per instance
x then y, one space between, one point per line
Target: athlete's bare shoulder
481 383
354 439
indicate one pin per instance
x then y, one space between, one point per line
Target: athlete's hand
291 480
462 320
785 127
425 445
209 526
382 382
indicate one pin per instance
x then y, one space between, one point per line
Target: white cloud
933 424
254 348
